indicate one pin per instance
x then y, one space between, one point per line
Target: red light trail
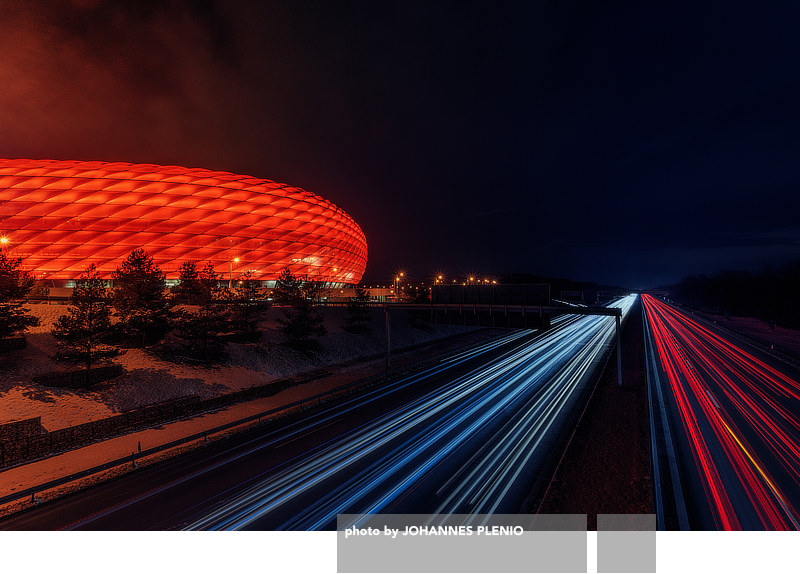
739 416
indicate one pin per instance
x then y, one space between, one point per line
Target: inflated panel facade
61 216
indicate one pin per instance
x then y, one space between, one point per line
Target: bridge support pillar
388 340
619 352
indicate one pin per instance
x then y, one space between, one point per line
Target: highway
470 433
469 447
734 419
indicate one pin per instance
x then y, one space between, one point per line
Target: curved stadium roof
61 216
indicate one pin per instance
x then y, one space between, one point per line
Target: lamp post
439 280
397 279
230 272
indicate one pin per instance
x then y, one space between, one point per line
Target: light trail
500 413
739 417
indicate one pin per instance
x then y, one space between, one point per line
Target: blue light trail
487 425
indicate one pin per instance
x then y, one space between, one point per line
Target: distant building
381 294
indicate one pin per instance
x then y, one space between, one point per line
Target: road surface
734 416
469 433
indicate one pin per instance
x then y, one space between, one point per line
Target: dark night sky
619 142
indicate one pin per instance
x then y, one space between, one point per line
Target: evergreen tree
303 322
140 298
80 332
314 291
202 328
288 288
188 290
40 290
15 285
208 282
358 313
247 305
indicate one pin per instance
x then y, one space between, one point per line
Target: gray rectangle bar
626 543
461 543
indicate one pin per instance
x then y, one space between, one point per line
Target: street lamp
397 280
230 272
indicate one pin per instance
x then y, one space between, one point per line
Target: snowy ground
150 379
67 463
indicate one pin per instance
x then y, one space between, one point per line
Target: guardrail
483 307
283 410
668 492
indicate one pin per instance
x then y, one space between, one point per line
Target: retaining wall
26 440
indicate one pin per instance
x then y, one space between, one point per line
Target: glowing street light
230 272
397 280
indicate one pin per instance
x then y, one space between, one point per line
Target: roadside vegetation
191 321
82 332
15 284
770 294
302 322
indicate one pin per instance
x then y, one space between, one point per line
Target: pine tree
302 325
188 290
140 298
288 288
247 306
15 285
358 314
303 322
207 282
79 334
202 328
314 291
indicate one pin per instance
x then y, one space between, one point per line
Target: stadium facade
62 216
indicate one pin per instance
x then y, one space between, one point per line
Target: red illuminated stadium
61 216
